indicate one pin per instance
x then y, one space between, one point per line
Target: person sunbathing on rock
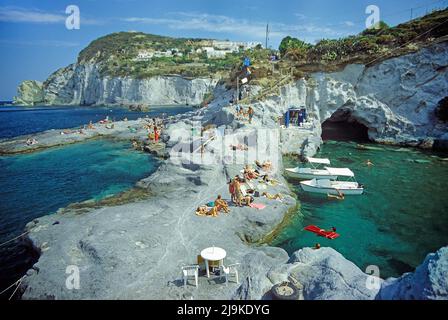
204 211
265 166
250 173
221 204
277 196
269 180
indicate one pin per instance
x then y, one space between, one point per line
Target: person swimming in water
369 163
340 195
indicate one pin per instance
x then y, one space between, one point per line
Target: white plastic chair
229 270
190 271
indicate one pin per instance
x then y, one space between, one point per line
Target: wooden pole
267 35
238 89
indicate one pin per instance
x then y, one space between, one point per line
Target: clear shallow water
402 217
15 121
33 185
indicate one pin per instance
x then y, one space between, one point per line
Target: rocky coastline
135 250
82 84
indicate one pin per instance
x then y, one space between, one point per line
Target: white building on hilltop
234 46
213 53
144 56
219 49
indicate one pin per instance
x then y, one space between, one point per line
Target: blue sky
34 41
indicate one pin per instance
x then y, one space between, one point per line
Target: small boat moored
312 173
327 186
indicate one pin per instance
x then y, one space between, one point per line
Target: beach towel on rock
257 206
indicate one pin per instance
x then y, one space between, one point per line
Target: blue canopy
301 116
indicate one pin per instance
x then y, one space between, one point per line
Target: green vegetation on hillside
116 56
289 44
369 46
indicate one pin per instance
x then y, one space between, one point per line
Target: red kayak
323 233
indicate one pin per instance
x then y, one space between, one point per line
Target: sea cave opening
342 126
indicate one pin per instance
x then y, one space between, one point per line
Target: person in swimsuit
277 196
156 134
250 113
204 211
238 193
221 204
340 195
249 173
232 191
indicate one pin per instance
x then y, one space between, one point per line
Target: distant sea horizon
19 120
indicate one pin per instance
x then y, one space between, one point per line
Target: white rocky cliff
395 99
82 84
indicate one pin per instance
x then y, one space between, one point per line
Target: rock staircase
269 91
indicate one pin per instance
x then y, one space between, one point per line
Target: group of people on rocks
239 197
219 205
242 114
154 127
241 191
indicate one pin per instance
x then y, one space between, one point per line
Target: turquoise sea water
15 121
402 217
33 185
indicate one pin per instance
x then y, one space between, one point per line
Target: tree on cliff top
289 43
379 27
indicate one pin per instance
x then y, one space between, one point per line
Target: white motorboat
327 186
312 173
